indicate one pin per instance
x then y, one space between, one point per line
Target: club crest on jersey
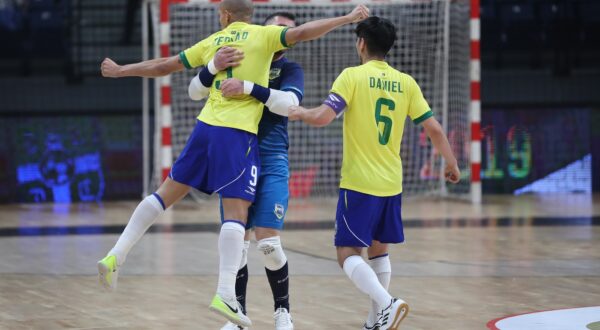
279 211
274 73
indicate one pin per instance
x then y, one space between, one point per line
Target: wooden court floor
460 267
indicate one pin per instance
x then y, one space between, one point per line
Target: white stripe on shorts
351 232
234 180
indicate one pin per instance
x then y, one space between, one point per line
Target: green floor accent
594 326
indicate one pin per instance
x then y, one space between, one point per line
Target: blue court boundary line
305 225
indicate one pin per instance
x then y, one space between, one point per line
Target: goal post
437 45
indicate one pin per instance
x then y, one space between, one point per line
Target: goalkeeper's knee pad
273 252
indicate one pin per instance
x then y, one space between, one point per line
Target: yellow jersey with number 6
378 100
258 43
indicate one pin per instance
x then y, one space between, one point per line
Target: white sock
142 218
231 246
383 269
366 280
245 254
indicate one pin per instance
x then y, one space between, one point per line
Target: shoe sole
400 315
229 317
102 271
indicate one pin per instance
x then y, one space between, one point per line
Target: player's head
235 11
281 18
375 37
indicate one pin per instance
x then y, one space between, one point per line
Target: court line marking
492 324
303 225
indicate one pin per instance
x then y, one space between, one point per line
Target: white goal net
433 47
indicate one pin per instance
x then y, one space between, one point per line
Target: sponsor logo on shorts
250 190
279 211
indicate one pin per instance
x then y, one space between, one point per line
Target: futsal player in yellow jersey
221 154
375 100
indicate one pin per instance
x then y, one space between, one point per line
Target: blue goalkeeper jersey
273 142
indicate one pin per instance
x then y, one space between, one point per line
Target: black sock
241 282
280 286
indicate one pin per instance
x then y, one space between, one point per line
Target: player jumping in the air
266 215
375 99
221 154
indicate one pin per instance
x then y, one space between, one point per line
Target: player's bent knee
343 252
172 191
274 256
235 208
264 232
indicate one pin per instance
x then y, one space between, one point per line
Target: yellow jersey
258 43
378 100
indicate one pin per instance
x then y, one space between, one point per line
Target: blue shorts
219 160
362 218
270 204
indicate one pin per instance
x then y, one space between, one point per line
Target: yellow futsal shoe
230 310
108 272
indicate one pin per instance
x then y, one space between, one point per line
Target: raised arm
434 130
148 69
316 29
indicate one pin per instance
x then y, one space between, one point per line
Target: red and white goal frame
163 149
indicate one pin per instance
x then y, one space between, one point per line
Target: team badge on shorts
279 211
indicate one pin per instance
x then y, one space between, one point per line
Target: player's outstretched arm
440 142
319 117
316 29
148 69
278 102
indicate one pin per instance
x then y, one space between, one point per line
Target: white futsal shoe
366 326
233 326
283 319
371 323
391 316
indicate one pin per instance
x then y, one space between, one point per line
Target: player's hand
227 57
359 13
295 112
109 68
232 87
452 173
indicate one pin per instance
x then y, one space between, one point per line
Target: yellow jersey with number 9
378 100
258 43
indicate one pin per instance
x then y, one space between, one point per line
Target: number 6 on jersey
384 137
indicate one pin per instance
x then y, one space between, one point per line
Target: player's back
379 98
258 44
273 139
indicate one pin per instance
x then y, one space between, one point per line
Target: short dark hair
379 35
285 14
